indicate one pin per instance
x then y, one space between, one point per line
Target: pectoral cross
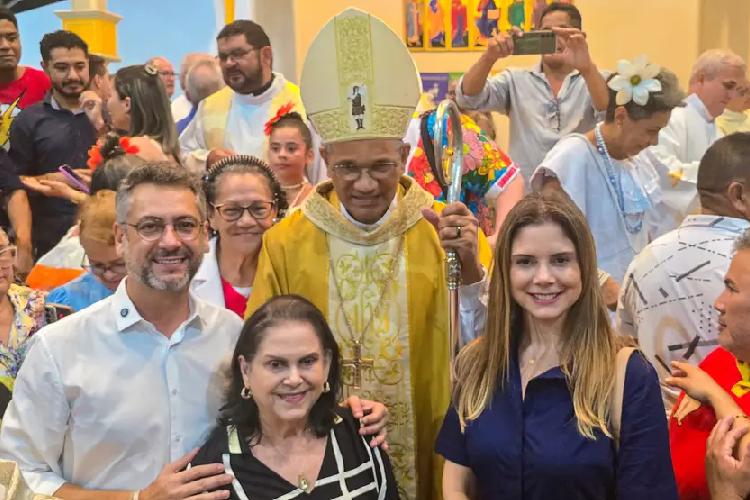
356 365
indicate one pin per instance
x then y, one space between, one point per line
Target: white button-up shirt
104 400
682 144
538 118
667 299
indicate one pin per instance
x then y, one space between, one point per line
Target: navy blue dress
531 449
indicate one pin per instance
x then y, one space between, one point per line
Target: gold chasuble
384 289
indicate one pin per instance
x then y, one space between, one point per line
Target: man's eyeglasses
100 269
236 54
258 210
152 229
169 73
8 255
351 172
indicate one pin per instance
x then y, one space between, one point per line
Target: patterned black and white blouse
350 468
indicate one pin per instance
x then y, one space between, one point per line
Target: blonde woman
104 268
530 414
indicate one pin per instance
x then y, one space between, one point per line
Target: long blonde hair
587 352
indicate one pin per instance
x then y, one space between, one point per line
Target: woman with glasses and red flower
244 198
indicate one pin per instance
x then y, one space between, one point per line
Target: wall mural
461 25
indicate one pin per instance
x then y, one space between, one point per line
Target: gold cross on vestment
356 366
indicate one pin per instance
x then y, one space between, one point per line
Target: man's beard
66 93
251 82
145 272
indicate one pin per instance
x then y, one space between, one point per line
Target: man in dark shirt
54 132
20 87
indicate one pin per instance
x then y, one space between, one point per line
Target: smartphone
74 178
56 312
535 42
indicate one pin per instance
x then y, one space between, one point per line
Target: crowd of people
242 292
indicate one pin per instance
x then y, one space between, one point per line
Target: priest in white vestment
232 120
715 79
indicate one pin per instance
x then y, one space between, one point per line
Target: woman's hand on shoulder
373 417
695 382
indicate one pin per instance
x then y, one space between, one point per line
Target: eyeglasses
258 210
169 73
186 229
351 172
8 256
101 269
236 54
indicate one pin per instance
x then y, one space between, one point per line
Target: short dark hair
8 15
669 97
723 163
294 120
244 413
571 10
243 164
61 39
254 33
161 173
97 66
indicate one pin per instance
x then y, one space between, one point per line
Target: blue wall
170 28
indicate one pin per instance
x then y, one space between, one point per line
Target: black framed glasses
258 210
351 171
236 54
186 228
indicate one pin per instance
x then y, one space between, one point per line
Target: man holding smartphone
561 95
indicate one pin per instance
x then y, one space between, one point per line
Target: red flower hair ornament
280 113
95 154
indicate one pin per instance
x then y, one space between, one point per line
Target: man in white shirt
106 398
667 298
714 80
232 121
559 96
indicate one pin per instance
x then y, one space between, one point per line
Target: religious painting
357 99
435 84
461 25
414 25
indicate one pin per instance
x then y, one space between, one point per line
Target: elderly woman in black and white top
282 433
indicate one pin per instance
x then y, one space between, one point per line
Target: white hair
203 79
712 61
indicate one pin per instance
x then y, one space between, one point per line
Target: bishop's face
365 174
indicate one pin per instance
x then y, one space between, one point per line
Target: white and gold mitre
359 80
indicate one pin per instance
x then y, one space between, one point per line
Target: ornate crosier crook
449 154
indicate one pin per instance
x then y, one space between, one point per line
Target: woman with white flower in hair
600 172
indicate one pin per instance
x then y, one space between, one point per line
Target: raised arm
577 54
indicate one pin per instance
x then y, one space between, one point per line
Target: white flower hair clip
634 81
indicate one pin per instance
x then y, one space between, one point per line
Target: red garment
233 300
688 440
20 94
33 84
